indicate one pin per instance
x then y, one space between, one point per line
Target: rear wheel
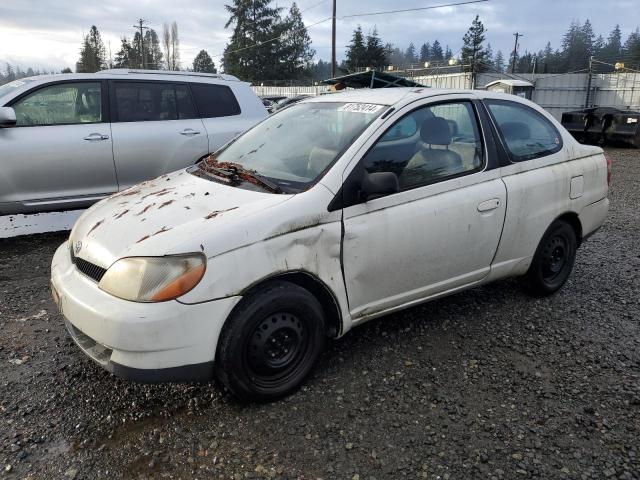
271 342
553 260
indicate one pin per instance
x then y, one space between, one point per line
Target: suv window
526 133
430 144
152 101
215 100
61 104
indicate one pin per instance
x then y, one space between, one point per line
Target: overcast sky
48 33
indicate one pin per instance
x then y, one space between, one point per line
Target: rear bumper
149 342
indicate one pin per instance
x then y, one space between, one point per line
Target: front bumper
150 342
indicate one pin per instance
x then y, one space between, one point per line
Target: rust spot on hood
168 202
162 230
145 209
215 213
158 193
120 215
95 226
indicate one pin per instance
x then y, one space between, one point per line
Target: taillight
608 159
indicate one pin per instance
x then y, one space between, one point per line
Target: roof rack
124 71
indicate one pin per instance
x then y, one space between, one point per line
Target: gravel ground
487 383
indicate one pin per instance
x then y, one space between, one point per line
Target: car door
58 155
541 182
220 112
441 230
155 129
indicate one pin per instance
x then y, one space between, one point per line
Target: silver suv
67 141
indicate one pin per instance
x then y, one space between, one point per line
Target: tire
553 260
270 342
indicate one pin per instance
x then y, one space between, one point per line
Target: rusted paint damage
168 202
162 230
145 209
122 214
157 193
97 224
215 213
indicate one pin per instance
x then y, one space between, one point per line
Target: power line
368 14
349 16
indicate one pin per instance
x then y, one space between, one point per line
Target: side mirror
378 184
7 117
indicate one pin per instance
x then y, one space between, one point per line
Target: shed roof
511 82
372 79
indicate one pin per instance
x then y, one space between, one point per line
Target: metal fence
557 93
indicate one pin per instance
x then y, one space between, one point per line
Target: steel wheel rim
276 349
555 258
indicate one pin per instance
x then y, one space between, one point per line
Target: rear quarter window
526 133
215 100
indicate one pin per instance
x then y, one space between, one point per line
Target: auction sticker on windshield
360 107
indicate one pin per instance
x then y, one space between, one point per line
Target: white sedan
331 212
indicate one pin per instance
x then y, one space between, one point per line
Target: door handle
189 132
96 137
489 205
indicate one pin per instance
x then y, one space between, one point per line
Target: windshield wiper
236 173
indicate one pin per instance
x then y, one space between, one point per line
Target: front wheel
271 342
553 260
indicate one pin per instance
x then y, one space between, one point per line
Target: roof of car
137 74
385 96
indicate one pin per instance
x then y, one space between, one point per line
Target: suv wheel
270 342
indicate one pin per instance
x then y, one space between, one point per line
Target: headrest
515 130
435 131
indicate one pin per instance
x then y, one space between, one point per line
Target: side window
215 100
526 133
430 144
61 104
404 128
152 101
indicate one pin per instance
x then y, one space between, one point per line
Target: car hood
174 213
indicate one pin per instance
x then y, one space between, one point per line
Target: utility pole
515 51
333 41
142 28
588 96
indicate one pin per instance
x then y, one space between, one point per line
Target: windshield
296 146
11 86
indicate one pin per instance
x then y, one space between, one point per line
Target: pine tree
152 51
375 51
632 50
498 62
474 56
252 54
612 51
425 52
577 47
92 53
294 49
489 58
203 63
410 55
356 56
448 54
125 57
437 55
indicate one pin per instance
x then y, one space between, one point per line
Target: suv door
220 112
155 129
441 230
58 156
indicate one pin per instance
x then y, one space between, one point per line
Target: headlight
153 279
